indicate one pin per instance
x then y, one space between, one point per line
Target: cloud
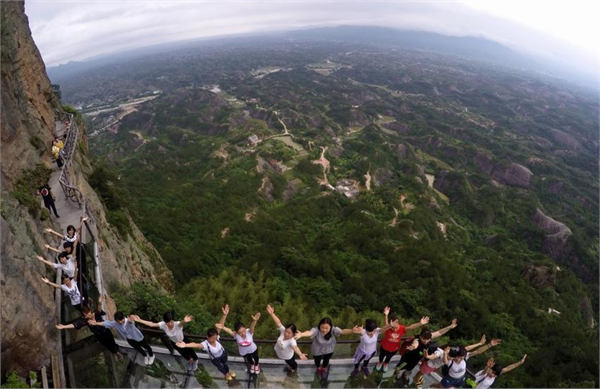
67 30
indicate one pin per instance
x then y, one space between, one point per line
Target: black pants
252 359
411 360
325 358
59 161
292 362
187 352
140 346
364 361
51 207
107 339
387 355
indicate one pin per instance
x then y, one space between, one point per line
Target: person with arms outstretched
245 341
286 347
324 341
214 348
70 287
174 330
486 377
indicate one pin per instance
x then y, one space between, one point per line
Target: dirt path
140 137
326 165
368 180
285 129
394 221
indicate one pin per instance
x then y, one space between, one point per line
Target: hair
64 277
458 351
292 327
425 334
119 316
71 227
86 310
62 255
393 318
432 347
497 369
67 245
211 332
326 320
238 325
168 316
370 325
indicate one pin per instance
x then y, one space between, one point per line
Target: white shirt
285 347
368 345
73 292
439 361
483 380
246 345
72 240
68 268
213 352
176 334
458 370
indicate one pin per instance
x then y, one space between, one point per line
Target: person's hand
523 359
495 342
447 350
386 311
45 280
60 326
40 258
490 363
188 318
425 353
47 246
134 317
413 345
92 322
256 317
181 344
298 336
219 326
84 219
483 339
454 323
48 229
424 320
270 309
225 309
357 330
303 357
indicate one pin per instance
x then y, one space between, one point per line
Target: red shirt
392 338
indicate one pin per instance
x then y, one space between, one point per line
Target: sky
75 30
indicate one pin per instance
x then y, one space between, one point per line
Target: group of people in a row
58 144
421 355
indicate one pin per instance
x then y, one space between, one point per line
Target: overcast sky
75 30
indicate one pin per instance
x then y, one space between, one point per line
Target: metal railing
67 152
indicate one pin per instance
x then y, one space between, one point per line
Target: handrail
67 151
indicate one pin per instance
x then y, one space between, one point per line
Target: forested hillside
337 178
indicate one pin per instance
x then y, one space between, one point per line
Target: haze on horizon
567 32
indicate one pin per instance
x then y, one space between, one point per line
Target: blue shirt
126 330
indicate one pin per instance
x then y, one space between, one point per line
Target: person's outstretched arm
483 349
51 231
353 330
424 320
220 327
303 334
65 327
225 310
41 259
190 345
441 332
300 354
144 322
514 365
271 312
254 321
386 312
52 248
475 345
46 281
186 319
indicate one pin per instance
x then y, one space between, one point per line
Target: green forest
426 202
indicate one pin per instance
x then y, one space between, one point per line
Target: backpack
446 369
44 192
405 343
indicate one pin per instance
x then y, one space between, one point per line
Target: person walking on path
48 197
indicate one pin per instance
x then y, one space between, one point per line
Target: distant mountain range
471 47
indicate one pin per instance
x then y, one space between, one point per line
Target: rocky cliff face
28 307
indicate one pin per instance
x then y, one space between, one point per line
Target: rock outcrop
555 244
28 308
540 277
513 174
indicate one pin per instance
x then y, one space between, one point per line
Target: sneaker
257 368
355 373
386 367
420 382
146 359
195 365
378 367
366 371
151 360
252 369
232 374
228 377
